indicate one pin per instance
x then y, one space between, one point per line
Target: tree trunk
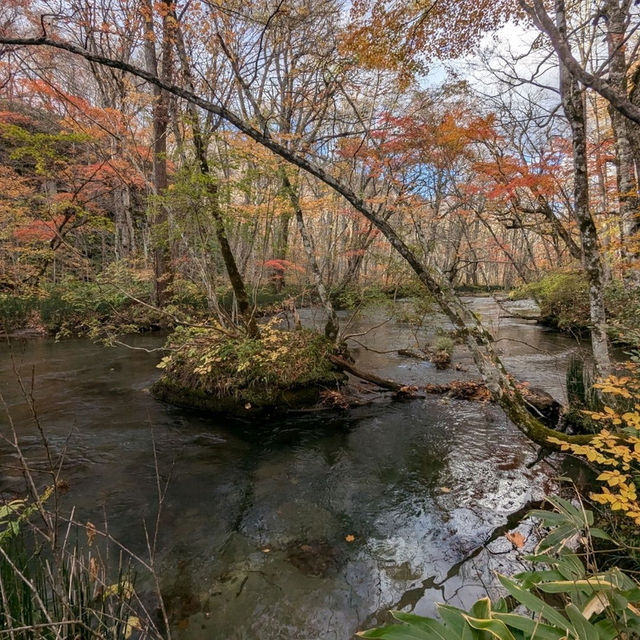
160 218
358 248
574 108
245 308
332 326
281 249
125 243
621 126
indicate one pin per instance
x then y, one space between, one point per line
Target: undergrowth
217 363
563 297
119 300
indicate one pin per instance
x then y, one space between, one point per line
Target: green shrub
17 311
563 298
77 307
73 306
186 294
623 306
360 297
206 365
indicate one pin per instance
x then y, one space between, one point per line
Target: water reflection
306 526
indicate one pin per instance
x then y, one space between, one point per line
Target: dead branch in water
383 383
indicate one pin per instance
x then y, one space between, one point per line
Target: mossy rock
212 371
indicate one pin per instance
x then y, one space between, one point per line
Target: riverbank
563 298
120 301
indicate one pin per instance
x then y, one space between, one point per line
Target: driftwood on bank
461 390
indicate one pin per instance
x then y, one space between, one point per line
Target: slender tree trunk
332 326
281 248
125 242
574 108
245 308
514 263
358 248
625 165
160 218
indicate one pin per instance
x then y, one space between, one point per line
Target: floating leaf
516 539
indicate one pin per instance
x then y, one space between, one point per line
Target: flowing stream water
303 526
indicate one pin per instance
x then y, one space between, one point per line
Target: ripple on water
300 527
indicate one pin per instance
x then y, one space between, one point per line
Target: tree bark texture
573 103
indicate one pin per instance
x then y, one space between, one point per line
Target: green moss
211 370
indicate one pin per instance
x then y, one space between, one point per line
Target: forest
320 318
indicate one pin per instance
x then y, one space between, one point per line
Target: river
299 527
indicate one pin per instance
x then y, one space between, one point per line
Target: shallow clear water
254 525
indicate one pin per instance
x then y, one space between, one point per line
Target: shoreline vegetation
208 169
563 298
222 369
120 302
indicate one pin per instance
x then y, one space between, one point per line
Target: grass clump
444 343
54 587
441 351
207 368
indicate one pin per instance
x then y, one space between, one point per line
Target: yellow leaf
133 622
124 589
350 538
91 532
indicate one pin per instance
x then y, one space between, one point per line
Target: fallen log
461 390
383 383
539 402
407 353
537 405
